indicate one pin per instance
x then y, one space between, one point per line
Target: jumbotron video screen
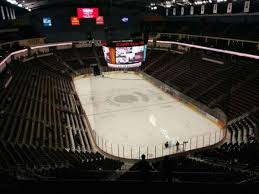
127 53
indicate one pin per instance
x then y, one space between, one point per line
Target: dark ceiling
37 4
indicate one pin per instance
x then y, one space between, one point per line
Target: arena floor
130 115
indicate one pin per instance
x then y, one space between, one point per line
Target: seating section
54 63
240 156
79 59
75 64
5 78
41 107
241 148
42 123
230 86
66 54
243 129
53 163
85 53
183 169
5 50
190 170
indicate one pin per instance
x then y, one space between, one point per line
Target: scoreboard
123 43
124 53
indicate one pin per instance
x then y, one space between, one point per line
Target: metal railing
156 151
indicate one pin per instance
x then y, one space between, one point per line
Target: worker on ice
170 143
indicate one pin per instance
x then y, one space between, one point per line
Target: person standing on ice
177 146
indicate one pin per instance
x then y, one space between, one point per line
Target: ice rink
125 109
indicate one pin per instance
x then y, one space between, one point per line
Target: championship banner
247 6
174 11
182 10
2 11
191 10
11 13
229 9
215 8
8 16
202 9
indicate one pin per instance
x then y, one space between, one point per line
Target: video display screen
47 22
87 13
124 55
75 21
99 20
128 55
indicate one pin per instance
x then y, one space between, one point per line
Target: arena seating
7 49
238 155
5 78
79 59
85 53
42 122
43 130
189 170
66 54
55 113
55 163
208 82
183 169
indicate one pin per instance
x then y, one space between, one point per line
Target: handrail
210 37
209 49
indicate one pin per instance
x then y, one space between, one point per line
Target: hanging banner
174 11
8 16
247 6
229 9
215 8
202 9
2 11
191 10
182 10
14 16
11 13
166 12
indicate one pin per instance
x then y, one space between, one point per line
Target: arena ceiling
37 4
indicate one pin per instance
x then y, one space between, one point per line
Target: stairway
97 59
119 173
